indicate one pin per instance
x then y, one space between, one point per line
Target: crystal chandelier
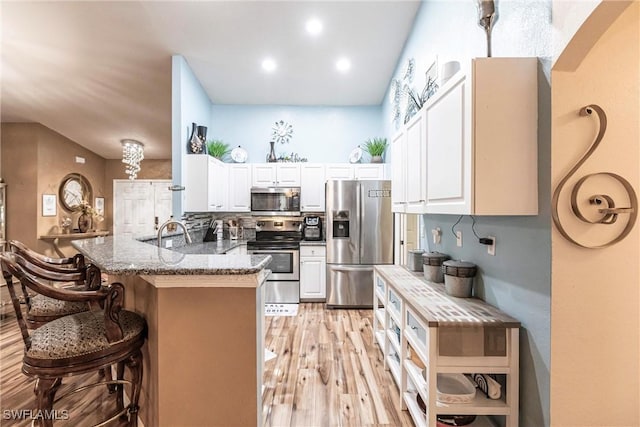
132 155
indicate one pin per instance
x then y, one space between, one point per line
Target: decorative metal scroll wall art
604 203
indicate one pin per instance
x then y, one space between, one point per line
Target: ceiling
99 72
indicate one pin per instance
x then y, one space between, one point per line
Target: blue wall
189 103
517 279
321 134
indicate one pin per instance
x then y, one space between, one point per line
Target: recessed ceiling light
314 26
343 65
269 65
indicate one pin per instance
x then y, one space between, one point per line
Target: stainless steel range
280 238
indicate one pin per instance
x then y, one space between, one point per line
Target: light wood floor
327 373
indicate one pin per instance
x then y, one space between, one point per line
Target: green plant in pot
376 148
218 149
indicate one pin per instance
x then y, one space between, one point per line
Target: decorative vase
272 154
84 222
376 159
194 146
202 135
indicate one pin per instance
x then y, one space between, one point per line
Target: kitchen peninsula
203 359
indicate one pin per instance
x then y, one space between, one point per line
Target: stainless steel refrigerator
359 234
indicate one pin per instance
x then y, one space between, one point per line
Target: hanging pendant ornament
487 16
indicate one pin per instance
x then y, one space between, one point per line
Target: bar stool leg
45 391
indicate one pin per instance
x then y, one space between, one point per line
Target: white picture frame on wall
99 206
49 205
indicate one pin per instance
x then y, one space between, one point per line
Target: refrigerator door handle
358 268
360 219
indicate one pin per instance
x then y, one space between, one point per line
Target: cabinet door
339 171
218 185
133 208
398 172
196 183
163 202
313 278
288 175
239 187
312 188
416 158
369 171
448 147
263 175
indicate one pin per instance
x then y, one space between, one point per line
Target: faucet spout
187 237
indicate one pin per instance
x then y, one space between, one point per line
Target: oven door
285 263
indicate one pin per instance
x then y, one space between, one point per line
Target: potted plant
376 148
218 149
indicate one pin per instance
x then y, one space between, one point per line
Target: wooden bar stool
70 272
78 343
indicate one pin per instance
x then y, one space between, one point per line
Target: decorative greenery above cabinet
472 149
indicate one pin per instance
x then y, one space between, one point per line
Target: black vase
194 145
202 135
272 154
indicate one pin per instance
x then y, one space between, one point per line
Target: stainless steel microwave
275 201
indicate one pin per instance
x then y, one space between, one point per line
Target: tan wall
595 329
149 169
35 160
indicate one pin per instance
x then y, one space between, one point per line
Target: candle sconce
604 203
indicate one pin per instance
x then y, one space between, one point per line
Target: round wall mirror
73 190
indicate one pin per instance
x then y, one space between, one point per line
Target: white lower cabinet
313 283
413 325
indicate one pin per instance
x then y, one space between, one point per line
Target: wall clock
282 132
74 188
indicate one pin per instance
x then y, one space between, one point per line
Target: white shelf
480 405
419 418
393 338
395 316
380 296
415 375
380 315
380 339
468 369
394 367
417 346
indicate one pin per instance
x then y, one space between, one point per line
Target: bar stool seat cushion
44 306
80 334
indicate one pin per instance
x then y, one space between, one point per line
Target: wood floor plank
327 373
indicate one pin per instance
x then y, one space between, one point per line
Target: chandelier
132 155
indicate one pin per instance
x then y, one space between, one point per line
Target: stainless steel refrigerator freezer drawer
349 286
282 292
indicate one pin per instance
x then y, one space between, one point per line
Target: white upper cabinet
481 139
368 171
398 172
206 184
239 187
276 175
312 180
218 186
415 167
339 171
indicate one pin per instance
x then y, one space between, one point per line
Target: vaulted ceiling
98 72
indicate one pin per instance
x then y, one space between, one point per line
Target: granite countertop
209 247
125 256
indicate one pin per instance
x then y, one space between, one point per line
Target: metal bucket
432 266
414 260
458 278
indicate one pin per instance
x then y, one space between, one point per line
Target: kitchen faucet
187 237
